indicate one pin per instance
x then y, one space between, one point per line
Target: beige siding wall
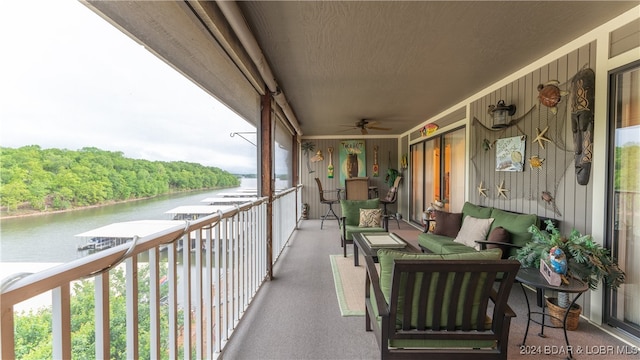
572 202
386 147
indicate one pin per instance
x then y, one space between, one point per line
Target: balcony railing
203 294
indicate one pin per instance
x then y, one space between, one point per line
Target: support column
266 172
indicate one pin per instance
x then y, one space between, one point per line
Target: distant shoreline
28 213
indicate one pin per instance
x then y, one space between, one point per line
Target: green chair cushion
386 259
439 244
516 224
480 212
351 209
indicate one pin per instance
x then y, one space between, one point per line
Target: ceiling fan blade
349 129
377 128
364 131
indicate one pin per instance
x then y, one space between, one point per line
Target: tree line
57 179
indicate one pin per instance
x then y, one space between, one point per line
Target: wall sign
352 159
510 153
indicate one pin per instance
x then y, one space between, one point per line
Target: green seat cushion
439 244
480 212
351 209
516 224
386 258
352 229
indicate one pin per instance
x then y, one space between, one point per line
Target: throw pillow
473 229
370 217
447 224
500 235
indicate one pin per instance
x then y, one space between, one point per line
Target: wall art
352 159
510 153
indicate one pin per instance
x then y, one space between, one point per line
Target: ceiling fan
365 125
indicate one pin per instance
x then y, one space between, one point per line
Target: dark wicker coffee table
359 243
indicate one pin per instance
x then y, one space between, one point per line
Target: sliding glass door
437 173
623 237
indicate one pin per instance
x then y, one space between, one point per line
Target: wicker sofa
508 231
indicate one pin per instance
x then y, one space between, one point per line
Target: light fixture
499 114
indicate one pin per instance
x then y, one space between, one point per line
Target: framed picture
352 157
510 153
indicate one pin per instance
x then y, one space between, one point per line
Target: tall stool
391 198
330 213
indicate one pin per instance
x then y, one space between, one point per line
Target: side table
532 277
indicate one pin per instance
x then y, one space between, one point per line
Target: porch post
266 167
295 158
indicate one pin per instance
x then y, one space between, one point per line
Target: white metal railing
199 296
286 213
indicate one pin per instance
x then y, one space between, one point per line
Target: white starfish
501 190
482 190
540 138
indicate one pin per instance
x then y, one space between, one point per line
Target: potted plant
586 260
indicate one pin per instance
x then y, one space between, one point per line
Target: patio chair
352 216
356 188
427 306
330 213
391 198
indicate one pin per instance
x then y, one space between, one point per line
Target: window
623 235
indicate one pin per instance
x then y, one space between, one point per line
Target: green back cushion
516 224
386 259
351 209
476 211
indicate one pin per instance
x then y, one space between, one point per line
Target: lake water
50 238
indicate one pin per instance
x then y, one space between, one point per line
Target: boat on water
193 212
229 200
115 234
119 233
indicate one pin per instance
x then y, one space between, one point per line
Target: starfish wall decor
502 191
481 190
540 138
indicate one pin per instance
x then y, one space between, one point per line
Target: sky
71 80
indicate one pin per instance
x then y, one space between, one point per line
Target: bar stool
330 213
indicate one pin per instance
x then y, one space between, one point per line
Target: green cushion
516 224
386 258
351 229
439 244
480 212
351 209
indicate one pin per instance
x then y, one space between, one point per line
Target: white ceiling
399 63
404 62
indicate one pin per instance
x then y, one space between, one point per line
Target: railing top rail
23 287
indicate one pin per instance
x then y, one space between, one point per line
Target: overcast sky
71 80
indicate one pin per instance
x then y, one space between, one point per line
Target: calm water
50 238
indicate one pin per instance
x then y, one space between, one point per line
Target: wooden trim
266 165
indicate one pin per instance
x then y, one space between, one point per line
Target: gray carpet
296 316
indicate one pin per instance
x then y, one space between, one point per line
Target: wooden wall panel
386 147
625 38
572 202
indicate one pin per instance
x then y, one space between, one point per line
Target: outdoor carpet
349 283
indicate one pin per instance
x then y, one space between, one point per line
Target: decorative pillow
499 234
370 217
447 224
473 229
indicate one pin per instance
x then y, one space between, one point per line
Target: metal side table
532 277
